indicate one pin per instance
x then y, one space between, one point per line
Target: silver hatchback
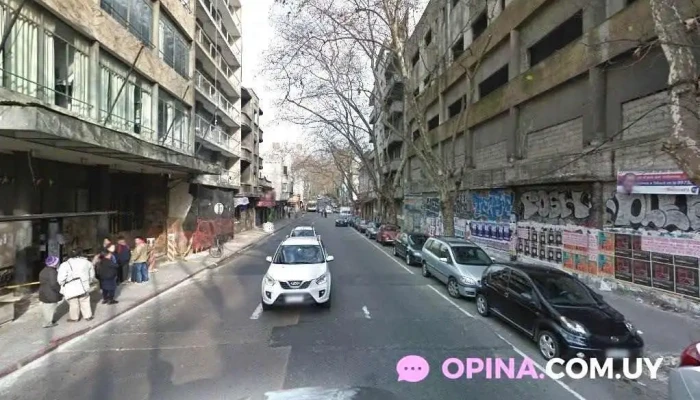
456 262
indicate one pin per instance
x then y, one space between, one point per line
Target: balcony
210 92
217 61
246 154
214 138
392 138
260 162
247 189
230 17
217 28
224 180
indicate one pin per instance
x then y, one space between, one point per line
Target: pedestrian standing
139 261
49 291
75 276
123 256
108 270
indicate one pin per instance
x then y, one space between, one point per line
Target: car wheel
548 345
482 305
265 306
409 260
453 288
425 271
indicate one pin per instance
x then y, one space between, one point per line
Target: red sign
268 200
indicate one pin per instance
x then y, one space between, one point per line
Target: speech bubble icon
412 369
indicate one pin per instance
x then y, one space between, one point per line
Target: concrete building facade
561 104
119 118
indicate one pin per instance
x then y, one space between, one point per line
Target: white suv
302 231
298 274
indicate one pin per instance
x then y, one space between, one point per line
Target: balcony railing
215 135
216 96
211 49
215 16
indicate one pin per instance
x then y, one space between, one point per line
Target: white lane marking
385 253
543 370
366 311
517 350
465 312
257 312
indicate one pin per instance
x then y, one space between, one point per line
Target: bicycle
217 249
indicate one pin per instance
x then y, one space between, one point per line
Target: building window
455 108
454 3
173 123
493 82
415 59
434 122
174 49
458 48
284 170
428 37
130 101
479 25
19 62
557 39
66 74
135 15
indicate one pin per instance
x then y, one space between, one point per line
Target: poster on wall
662 276
606 253
575 249
623 257
687 276
655 182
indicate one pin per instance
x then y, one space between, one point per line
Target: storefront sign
639 182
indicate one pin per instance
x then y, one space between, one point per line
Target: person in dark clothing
123 256
49 291
108 271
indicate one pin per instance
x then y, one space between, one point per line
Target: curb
56 343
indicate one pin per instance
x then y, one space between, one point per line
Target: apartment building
97 120
561 106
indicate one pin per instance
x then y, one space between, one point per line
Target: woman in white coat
75 276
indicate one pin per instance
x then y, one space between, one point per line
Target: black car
409 245
560 313
341 222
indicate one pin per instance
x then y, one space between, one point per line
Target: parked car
372 229
387 234
684 381
341 221
362 226
456 262
298 274
557 311
409 247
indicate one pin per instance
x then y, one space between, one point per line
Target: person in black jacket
123 256
107 271
49 291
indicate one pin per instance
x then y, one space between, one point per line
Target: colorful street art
557 206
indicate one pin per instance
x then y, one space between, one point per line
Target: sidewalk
666 333
24 340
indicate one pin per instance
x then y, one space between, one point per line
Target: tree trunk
388 209
447 206
676 43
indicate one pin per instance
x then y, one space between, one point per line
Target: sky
257 35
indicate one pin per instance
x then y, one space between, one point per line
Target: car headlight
321 279
630 327
573 326
465 280
269 281
417 253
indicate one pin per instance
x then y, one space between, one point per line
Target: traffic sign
218 209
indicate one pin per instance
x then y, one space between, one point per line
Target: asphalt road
209 339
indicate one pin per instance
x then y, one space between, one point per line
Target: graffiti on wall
654 211
492 205
412 213
555 206
432 216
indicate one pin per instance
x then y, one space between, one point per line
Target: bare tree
324 70
379 29
676 24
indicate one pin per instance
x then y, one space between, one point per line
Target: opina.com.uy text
415 368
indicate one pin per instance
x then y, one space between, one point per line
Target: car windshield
418 240
299 254
390 228
303 233
563 290
471 255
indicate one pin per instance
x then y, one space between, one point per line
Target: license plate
294 299
617 353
